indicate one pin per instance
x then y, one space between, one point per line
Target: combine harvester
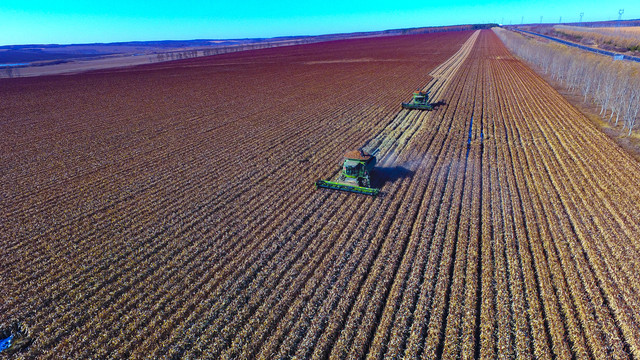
354 177
420 101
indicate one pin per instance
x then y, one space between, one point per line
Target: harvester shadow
382 175
438 104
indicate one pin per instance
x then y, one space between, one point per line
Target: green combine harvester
354 177
420 101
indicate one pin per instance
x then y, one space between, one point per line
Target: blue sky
70 21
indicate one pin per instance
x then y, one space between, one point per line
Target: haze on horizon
75 22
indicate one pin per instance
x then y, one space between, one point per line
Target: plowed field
168 211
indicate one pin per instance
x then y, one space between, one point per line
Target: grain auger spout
354 177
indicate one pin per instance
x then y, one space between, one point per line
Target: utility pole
581 15
560 21
540 19
619 23
620 12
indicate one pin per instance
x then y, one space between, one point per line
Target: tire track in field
396 136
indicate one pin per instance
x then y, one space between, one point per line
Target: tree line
613 85
187 54
9 72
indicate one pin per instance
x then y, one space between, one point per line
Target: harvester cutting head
420 101
354 177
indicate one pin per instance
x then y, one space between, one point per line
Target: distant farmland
168 210
55 59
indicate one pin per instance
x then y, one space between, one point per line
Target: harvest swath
168 210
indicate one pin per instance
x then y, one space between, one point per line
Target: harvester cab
354 177
420 101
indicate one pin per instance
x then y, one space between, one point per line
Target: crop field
168 210
627 30
623 31
615 38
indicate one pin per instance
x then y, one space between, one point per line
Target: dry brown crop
168 210
620 38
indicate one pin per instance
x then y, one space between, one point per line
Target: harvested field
168 210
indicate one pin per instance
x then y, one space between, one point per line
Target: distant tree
620 94
631 101
598 79
590 76
608 84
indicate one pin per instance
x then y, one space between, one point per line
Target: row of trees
613 85
186 54
9 72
